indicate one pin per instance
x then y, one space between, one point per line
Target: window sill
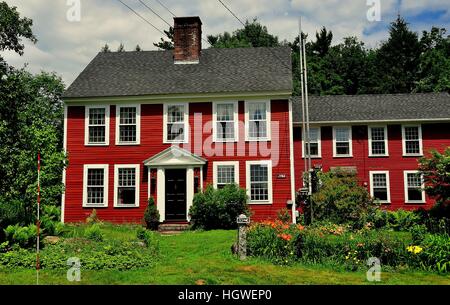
96 145
313 157
413 156
122 206
175 142
260 202
225 141
415 202
343 156
258 140
128 144
378 156
93 206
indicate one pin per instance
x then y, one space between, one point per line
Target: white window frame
405 182
86 125
386 142
388 185
350 140
419 126
268 121
105 168
235 121
186 123
319 144
138 124
225 163
116 184
269 184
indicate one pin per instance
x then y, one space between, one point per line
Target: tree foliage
164 44
31 121
436 173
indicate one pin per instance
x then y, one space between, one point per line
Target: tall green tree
322 45
105 48
398 59
434 67
253 34
31 116
164 44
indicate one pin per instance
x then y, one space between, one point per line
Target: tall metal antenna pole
38 222
308 139
300 43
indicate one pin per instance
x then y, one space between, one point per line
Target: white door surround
174 157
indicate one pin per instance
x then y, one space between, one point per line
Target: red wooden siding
151 144
434 136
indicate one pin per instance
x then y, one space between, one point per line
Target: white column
189 189
161 191
201 178
149 190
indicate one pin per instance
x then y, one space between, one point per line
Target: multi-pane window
225 173
314 139
412 140
379 189
95 192
413 187
176 121
259 181
97 125
378 141
225 115
128 124
342 141
258 120
126 181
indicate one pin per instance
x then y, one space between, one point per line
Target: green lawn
205 258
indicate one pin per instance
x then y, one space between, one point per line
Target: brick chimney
187 40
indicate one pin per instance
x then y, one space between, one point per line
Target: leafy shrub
436 174
94 233
341 199
22 236
218 208
149 238
436 219
418 233
399 220
275 241
436 253
284 215
151 215
50 221
93 218
110 255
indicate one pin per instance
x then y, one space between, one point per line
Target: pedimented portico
175 185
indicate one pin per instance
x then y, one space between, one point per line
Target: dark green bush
341 199
22 236
94 233
399 220
218 208
149 238
151 215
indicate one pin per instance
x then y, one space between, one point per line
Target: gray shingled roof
380 107
154 73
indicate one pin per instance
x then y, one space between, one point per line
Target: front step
173 227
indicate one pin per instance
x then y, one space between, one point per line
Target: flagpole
38 223
300 43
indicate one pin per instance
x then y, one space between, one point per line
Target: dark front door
176 194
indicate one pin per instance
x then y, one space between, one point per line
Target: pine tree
121 48
138 48
105 49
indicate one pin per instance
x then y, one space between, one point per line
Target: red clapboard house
165 124
379 137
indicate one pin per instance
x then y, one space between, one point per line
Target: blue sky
67 47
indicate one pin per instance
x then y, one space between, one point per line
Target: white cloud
67 47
